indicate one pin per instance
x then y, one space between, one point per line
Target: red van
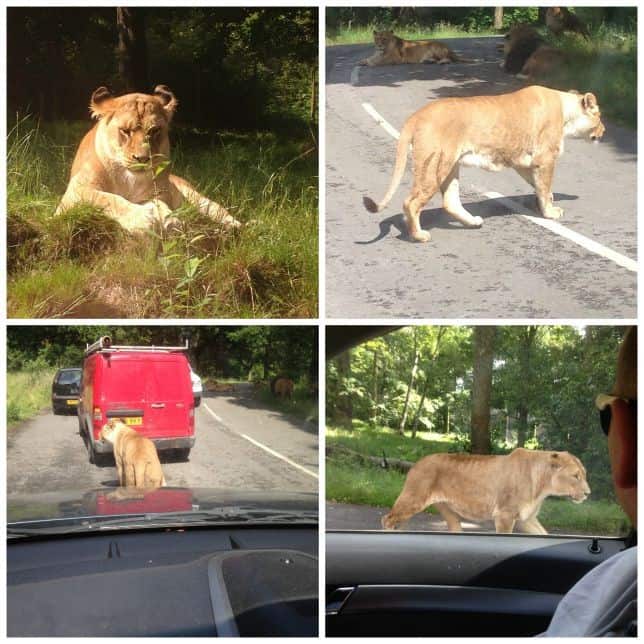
149 387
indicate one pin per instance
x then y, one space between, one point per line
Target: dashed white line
264 447
553 226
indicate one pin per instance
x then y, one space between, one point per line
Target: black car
65 391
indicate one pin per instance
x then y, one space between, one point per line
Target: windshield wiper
222 516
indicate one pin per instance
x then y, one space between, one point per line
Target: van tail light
97 413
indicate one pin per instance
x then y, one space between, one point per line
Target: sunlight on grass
28 393
268 269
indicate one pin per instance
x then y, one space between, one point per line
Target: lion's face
568 477
110 429
587 119
382 39
133 132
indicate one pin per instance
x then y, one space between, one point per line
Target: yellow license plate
135 420
72 402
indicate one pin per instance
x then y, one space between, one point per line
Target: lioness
523 130
137 461
392 50
283 388
508 489
122 163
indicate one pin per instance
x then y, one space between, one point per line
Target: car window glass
404 430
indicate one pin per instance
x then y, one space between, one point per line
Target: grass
28 393
605 64
350 35
348 481
82 264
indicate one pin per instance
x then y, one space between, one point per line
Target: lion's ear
99 102
168 99
589 102
555 461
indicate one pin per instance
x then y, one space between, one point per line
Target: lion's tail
404 141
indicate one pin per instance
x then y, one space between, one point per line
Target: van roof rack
104 344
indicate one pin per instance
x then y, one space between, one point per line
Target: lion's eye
577 476
153 131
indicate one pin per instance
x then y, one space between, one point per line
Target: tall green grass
28 393
82 264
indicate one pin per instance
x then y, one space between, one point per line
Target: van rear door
169 397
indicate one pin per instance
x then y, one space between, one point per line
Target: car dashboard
241 581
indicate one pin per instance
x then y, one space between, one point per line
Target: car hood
104 503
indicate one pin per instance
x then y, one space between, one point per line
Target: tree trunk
498 18
482 388
374 414
441 331
526 350
412 378
344 405
132 50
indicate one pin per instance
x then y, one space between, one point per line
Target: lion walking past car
122 163
392 50
508 490
522 130
137 461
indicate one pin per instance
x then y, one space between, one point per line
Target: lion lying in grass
122 163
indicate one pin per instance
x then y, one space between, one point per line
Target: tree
132 49
412 378
482 388
498 18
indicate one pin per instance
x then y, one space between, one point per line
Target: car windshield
68 377
240 449
485 429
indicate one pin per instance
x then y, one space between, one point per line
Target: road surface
233 435
511 267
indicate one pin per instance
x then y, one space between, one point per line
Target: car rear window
68 377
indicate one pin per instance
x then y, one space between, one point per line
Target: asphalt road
509 268
47 453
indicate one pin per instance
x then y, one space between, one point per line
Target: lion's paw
553 212
477 222
421 236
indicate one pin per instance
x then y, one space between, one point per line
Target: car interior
188 581
447 584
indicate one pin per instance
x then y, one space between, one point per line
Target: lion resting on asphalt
508 490
523 130
137 461
392 50
121 164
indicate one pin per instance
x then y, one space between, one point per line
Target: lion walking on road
508 490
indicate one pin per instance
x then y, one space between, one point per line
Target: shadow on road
438 218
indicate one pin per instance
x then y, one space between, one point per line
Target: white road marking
551 225
213 413
281 456
557 228
262 446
